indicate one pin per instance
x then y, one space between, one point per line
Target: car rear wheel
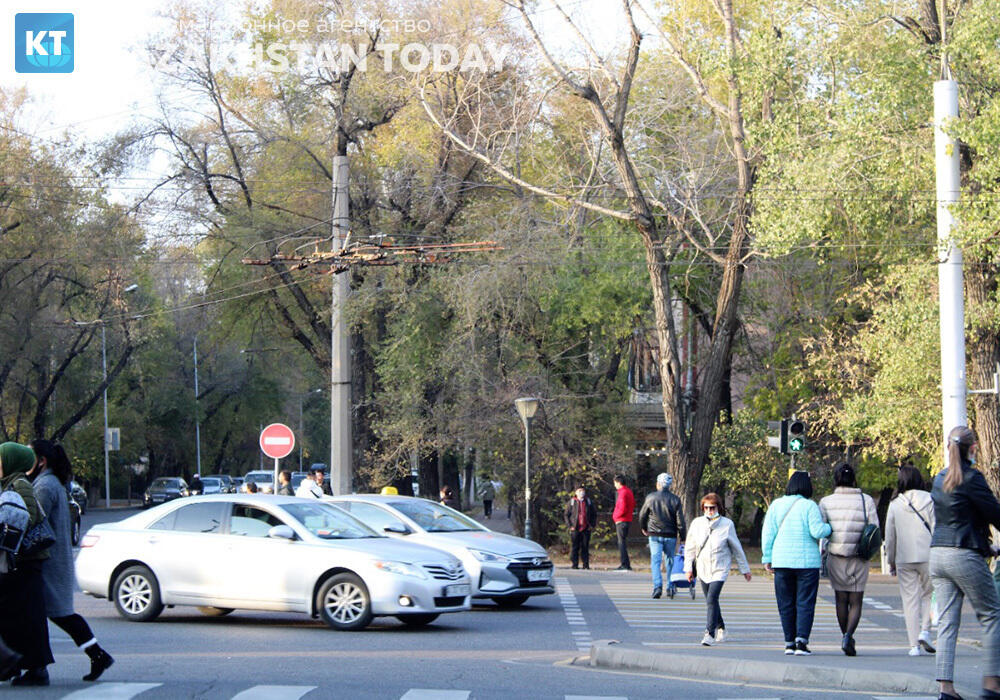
511 601
137 594
344 603
214 612
75 535
417 619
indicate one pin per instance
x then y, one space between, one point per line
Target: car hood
395 550
496 542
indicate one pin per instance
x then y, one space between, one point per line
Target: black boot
100 661
33 676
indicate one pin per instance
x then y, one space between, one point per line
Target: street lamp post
526 408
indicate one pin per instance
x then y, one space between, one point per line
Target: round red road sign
277 440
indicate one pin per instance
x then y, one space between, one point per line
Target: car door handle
152 540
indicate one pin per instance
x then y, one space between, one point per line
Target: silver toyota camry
281 553
503 568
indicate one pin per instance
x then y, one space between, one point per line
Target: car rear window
198 517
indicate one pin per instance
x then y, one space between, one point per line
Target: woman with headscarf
52 474
23 626
964 508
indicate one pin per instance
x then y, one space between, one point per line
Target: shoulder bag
871 536
909 503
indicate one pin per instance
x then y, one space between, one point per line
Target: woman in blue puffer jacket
793 528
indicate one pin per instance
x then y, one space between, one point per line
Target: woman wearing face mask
964 508
710 548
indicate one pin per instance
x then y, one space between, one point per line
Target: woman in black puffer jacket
964 508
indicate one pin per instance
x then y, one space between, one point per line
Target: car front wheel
75 536
137 594
344 603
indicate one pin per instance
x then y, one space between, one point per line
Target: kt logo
43 42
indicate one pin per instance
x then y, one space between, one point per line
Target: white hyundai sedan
255 552
503 568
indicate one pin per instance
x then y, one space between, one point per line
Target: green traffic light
796 444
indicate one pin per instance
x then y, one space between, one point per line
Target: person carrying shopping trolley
662 521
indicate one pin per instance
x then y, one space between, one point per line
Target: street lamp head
130 288
526 407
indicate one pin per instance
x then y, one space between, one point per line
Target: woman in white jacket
908 528
711 545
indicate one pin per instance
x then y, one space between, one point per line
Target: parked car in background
297 478
503 568
237 484
207 552
79 495
163 489
263 478
227 482
212 484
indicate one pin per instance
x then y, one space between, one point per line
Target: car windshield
259 477
435 517
327 522
209 481
163 483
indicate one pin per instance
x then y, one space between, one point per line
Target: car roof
379 498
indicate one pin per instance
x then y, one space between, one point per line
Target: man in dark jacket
581 515
662 521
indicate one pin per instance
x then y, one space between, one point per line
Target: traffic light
795 436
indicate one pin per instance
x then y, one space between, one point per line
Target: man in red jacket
624 507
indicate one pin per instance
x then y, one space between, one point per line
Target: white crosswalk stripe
434 694
111 691
274 692
750 608
574 615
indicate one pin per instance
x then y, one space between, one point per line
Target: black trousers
621 529
76 627
580 548
488 508
23 626
713 613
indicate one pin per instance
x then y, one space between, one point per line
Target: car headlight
489 557
401 569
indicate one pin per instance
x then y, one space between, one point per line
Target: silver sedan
279 553
503 568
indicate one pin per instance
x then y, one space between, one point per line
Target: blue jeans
795 591
660 549
713 612
957 574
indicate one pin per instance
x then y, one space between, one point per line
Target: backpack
14 519
871 536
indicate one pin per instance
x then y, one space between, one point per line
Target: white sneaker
924 642
916 651
707 640
720 635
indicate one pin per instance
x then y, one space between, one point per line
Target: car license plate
457 589
158 498
538 574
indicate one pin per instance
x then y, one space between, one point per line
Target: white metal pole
300 433
527 478
946 157
274 479
341 442
107 460
197 417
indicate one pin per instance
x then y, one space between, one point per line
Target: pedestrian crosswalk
127 691
574 615
749 610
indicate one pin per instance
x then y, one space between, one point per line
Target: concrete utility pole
197 415
341 440
946 156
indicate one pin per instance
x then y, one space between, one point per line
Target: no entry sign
277 440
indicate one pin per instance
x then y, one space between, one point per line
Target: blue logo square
43 42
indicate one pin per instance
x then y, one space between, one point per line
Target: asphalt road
487 653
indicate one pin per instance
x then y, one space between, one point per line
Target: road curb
612 654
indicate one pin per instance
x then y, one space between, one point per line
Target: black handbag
871 536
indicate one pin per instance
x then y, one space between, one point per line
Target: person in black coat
581 516
964 508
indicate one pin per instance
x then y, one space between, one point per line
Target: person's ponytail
960 440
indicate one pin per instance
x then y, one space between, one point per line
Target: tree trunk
984 353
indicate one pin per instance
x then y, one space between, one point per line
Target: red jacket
624 505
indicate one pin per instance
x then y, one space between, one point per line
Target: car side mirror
397 529
281 532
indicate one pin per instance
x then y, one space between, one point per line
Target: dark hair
843 475
909 478
960 440
446 492
285 473
800 485
251 486
713 499
318 471
55 459
620 478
